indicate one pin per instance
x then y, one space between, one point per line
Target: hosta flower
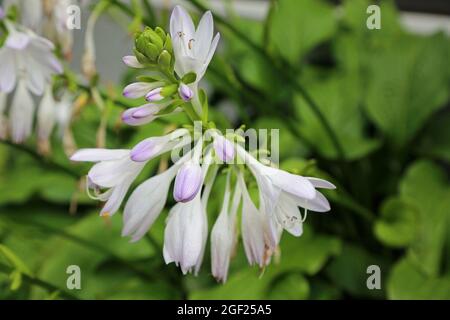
193 48
29 57
28 64
187 52
186 231
115 170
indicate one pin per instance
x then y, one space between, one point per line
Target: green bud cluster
154 47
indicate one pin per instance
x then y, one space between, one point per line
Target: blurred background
385 94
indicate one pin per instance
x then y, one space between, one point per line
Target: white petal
252 231
212 49
203 36
108 174
7 70
180 21
294 184
21 114
318 204
116 197
146 203
96 155
46 115
320 183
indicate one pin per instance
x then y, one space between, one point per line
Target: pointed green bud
151 36
168 44
164 59
140 57
161 33
151 52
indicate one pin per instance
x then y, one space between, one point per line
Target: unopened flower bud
188 182
185 92
224 148
154 95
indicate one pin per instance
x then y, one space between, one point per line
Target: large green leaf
300 25
409 80
102 275
348 271
407 281
338 97
397 226
426 186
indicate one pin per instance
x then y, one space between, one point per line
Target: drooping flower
223 234
115 171
186 231
27 56
28 64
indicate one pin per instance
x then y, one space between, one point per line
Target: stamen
190 44
305 215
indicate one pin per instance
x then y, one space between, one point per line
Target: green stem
39 282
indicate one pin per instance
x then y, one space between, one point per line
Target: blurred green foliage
385 94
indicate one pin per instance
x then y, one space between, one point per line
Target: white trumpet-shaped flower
186 231
147 201
115 170
27 56
193 48
27 65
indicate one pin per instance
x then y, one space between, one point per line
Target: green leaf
407 282
14 260
426 186
290 287
348 271
397 226
342 112
101 276
435 141
409 81
300 25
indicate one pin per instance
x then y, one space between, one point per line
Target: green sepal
169 90
189 78
161 33
140 57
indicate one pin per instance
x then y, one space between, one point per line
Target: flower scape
173 64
